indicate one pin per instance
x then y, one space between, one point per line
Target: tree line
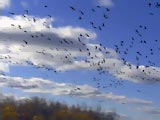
40 109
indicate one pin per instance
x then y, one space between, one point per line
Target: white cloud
5 96
4 67
24 4
105 2
72 32
38 85
59 49
4 3
149 110
120 98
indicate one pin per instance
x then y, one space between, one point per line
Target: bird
26 11
34 19
82 13
108 9
25 42
12 13
45 6
103 25
87 35
158 5
149 4
12 25
93 10
80 18
105 16
72 8
98 6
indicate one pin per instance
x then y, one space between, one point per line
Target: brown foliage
39 109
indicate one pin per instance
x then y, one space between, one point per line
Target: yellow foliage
9 113
66 114
38 117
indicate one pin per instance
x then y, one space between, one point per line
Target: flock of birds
123 48
153 5
80 38
99 26
94 25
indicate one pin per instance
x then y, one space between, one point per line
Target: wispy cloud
5 96
38 85
4 3
24 4
105 3
149 110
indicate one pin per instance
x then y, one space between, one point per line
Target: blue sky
20 73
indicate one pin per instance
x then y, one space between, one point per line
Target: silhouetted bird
72 8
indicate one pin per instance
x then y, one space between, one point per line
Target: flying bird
72 8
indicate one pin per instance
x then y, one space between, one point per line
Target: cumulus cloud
105 2
29 40
38 85
4 3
